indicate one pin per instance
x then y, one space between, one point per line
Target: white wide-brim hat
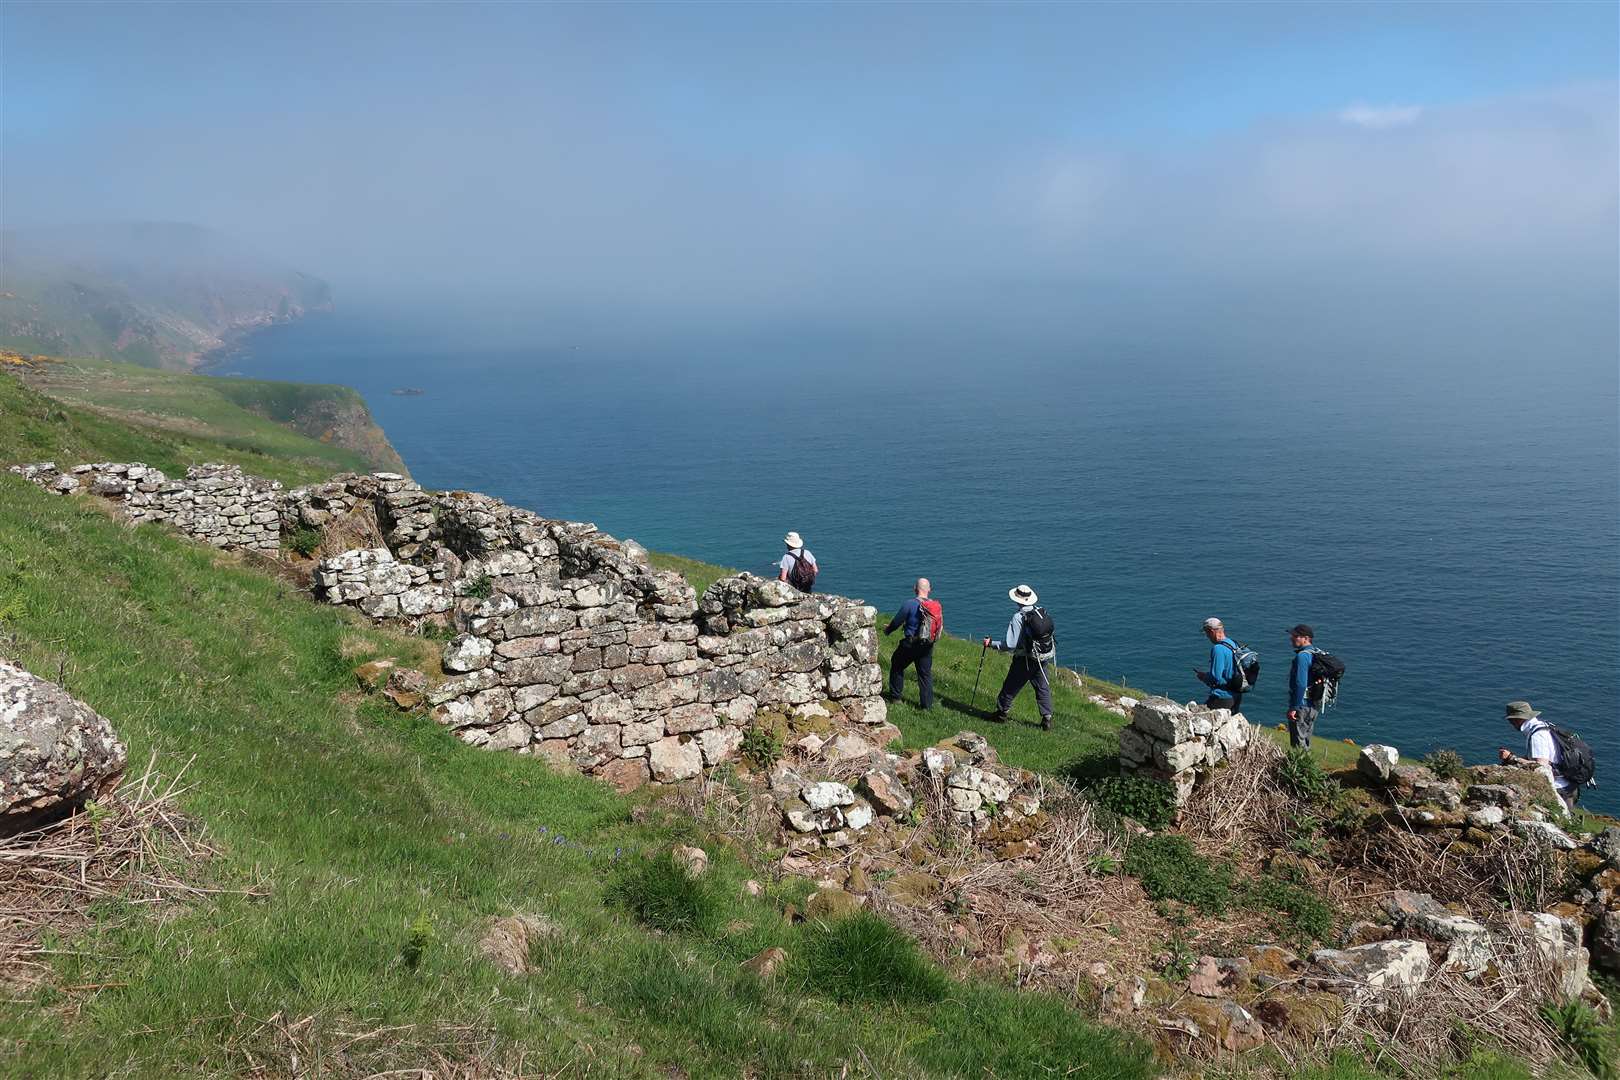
793 539
1023 595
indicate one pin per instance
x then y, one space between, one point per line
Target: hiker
1222 678
923 620
1305 694
1542 751
1029 639
798 567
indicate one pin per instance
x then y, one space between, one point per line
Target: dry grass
1242 806
134 846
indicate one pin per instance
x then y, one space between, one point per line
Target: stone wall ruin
567 641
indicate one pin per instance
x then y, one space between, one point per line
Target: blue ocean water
1450 527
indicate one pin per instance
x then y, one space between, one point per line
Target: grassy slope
363 822
187 427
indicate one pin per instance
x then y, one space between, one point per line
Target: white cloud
1379 117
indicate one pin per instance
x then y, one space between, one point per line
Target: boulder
55 751
1225 1024
1558 943
466 652
1364 971
626 774
846 745
1606 942
1216 978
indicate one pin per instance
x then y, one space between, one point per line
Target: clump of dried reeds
134 845
1243 804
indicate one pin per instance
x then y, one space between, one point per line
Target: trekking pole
974 704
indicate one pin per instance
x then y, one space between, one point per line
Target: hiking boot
1046 723
1000 717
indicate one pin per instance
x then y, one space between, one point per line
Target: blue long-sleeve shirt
1299 678
1015 631
1221 670
910 616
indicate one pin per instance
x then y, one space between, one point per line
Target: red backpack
803 574
932 624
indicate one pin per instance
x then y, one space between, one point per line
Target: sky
694 165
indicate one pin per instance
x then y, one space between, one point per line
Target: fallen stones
56 753
1544 833
882 787
675 758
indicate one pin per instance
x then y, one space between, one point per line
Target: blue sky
664 153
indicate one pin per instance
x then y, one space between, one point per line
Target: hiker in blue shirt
1222 669
917 646
1304 700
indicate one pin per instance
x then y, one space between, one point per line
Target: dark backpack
930 620
1038 640
1326 671
803 574
1575 761
1245 668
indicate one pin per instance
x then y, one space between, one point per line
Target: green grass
37 427
376 846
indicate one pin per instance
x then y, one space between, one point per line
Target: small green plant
863 958
1303 776
1581 1030
1147 802
305 541
1102 864
664 896
1169 869
479 588
761 747
1305 916
417 940
1447 764
1179 958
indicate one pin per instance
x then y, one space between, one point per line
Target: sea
1448 522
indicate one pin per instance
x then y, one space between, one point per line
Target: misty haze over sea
1448 520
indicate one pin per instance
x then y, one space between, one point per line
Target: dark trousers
1025 669
913 651
1233 703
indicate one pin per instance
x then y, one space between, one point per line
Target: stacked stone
217 504
314 506
1173 743
382 586
783 648
1490 803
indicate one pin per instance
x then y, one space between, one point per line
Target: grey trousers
1025 670
1299 731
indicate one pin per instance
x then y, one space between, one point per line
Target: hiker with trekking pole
1029 639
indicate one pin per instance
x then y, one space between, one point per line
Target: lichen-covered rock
673 759
1364 971
1377 761
887 794
55 751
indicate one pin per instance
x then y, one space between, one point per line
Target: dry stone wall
1174 744
217 504
568 642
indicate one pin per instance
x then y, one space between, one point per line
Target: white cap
1212 623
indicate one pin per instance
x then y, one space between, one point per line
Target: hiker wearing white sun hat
1029 639
798 567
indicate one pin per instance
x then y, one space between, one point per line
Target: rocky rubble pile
1174 744
1490 803
958 778
216 504
55 751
